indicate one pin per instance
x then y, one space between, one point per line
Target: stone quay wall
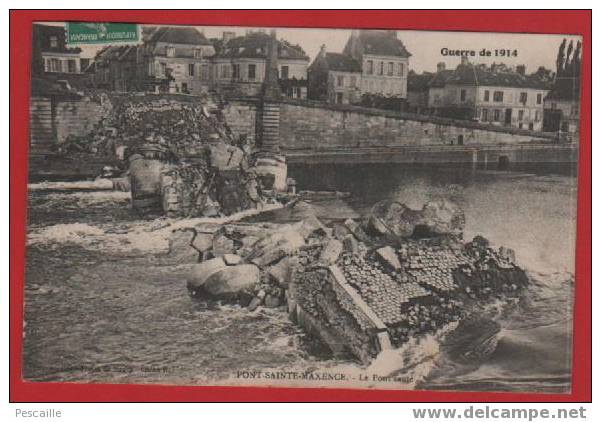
317 126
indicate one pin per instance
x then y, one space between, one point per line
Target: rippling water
100 307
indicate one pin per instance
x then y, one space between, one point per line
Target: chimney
322 50
440 66
227 36
353 44
493 68
464 61
521 69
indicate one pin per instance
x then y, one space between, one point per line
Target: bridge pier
270 162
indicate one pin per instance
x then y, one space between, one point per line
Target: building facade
239 67
51 56
335 78
494 95
176 60
384 62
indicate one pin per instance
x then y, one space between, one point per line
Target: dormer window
170 51
198 53
54 41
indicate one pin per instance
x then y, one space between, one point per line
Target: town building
418 86
384 62
495 95
335 78
562 104
51 54
115 68
239 67
176 60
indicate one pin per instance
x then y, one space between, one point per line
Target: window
523 97
204 72
460 140
401 69
225 71
537 116
170 51
236 71
185 87
285 72
339 98
191 69
53 41
521 115
497 96
497 115
381 71
198 53
484 114
539 98
163 68
71 66
370 67
390 68
463 95
487 95
353 81
252 71
55 65
340 80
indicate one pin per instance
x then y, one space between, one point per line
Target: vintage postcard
338 208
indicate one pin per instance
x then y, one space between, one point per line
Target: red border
540 21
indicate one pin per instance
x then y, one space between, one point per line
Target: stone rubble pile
178 156
414 285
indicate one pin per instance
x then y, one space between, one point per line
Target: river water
101 307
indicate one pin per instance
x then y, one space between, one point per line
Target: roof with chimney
255 45
342 63
382 43
469 74
177 35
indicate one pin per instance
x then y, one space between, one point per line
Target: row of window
384 69
60 66
497 97
495 115
341 80
170 52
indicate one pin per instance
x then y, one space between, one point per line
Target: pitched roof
342 63
420 82
477 75
254 45
567 89
440 78
178 35
382 43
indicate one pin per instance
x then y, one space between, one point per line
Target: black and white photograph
301 207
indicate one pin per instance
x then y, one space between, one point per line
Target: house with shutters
335 78
384 62
240 64
496 95
174 59
50 54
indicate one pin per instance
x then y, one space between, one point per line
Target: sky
533 50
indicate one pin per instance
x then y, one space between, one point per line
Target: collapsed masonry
360 287
178 156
